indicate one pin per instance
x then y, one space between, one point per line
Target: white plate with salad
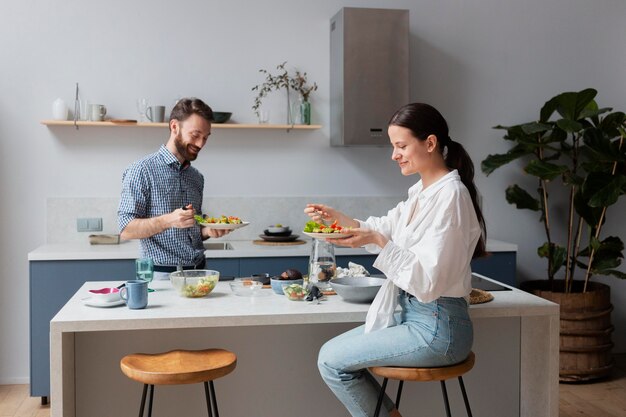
224 226
222 223
336 235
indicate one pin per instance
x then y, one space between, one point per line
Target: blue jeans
427 335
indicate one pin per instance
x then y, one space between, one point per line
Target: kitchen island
58 270
277 340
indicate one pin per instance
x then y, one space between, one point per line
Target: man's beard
182 148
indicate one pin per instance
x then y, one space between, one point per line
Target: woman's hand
360 237
321 213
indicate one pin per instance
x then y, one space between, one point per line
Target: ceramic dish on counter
289 238
357 289
95 302
105 294
277 228
245 287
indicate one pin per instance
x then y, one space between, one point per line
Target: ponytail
457 158
423 120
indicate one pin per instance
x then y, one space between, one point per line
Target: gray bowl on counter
357 289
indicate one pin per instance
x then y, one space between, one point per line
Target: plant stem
599 226
579 234
570 225
546 223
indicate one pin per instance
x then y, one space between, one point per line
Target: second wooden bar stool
425 374
179 367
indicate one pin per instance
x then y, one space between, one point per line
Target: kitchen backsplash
61 213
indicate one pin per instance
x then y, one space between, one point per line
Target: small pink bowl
106 294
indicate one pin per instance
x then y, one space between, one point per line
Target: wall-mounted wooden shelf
165 125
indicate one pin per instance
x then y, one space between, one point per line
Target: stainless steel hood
369 73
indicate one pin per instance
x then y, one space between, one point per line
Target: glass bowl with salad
194 283
295 292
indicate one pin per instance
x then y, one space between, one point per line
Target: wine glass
142 107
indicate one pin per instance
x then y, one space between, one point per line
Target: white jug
59 110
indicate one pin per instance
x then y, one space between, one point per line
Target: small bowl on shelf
221 116
194 283
245 287
107 294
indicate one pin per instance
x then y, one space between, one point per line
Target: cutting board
266 243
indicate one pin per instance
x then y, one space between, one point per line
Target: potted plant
576 152
275 82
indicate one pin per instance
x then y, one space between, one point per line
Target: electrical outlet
89 224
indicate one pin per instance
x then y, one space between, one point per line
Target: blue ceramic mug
135 293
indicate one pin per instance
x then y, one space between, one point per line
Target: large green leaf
556 253
593 111
521 198
615 273
600 145
591 215
535 127
548 109
545 170
571 126
611 122
493 162
571 104
602 189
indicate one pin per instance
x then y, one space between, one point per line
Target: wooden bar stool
424 374
179 367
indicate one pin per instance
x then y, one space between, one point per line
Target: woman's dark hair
185 107
424 120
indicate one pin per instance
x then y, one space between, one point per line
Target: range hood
369 73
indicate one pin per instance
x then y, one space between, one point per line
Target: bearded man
162 192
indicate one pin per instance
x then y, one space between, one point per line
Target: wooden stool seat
440 374
179 366
425 374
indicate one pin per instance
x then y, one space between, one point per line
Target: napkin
353 270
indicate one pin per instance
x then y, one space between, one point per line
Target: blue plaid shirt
156 185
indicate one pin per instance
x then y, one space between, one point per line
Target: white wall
481 63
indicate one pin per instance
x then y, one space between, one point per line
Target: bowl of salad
295 292
194 283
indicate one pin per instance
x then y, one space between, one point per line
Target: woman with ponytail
424 245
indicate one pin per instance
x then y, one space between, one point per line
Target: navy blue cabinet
52 283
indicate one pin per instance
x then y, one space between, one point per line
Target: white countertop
241 249
166 310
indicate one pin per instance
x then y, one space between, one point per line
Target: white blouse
432 236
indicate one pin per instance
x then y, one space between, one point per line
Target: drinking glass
142 107
144 269
264 116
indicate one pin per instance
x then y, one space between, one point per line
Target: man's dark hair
185 107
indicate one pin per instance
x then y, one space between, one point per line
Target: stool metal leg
399 394
467 406
208 400
143 399
380 397
214 400
445 398
150 403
